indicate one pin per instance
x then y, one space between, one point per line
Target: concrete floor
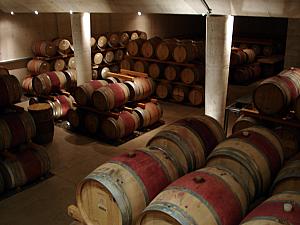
73 157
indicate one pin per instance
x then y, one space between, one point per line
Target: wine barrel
244 122
243 46
154 70
277 210
61 105
110 96
113 40
83 93
250 55
140 88
190 140
113 80
59 65
109 57
92 123
124 186
42 115
102 42
242 75
290 139
71 77
237 57
256 49
75 118
134 47
93 43
184 51
165 48
10 90
196 96
171 73
119 55
97 58
3 71
36 66
71 63
19 128
123 126
124 39
102 72
30 163
48 82
143 35
254 155
288 178
63 46
275 95
27 85
149 46
180 93
126 64
163 90
141 66
191 75
206 196
151 114
268 50
134 36
44 48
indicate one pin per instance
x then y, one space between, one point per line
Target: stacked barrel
109 50
243 66
176 65
20 162
118 191
101 106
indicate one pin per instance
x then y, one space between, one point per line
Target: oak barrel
118 191
237 57
288 178
42 115
10 90
124 39
113 40
191 75
190 140
164 90
75 118
97 58
61 105
154 70
141 66
71 63
126 64
196 96
63 46
92 122
102 41
276 94
109 57
134 47
250 55
140 88
171 72
44 48
36 66
119 54
185 51
180 93
30 163
148 47
244 122
206 196
165 49
254 155
277 210
59 65
83 93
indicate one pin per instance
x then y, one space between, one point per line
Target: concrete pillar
218 47
81 33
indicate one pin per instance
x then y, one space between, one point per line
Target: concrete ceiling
266 8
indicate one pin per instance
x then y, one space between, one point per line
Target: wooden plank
124 77
133 73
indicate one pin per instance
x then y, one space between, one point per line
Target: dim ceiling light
12 13
139 13
71 12
36 12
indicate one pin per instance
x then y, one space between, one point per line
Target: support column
81 33
218 47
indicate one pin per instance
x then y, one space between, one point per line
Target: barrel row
38 66
59 46
263 50
240 56
187 75
114 128
168 49
278 94
108 94
180 93
54 81
108 56
119 39
245 74
126 184
16 128
29 163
